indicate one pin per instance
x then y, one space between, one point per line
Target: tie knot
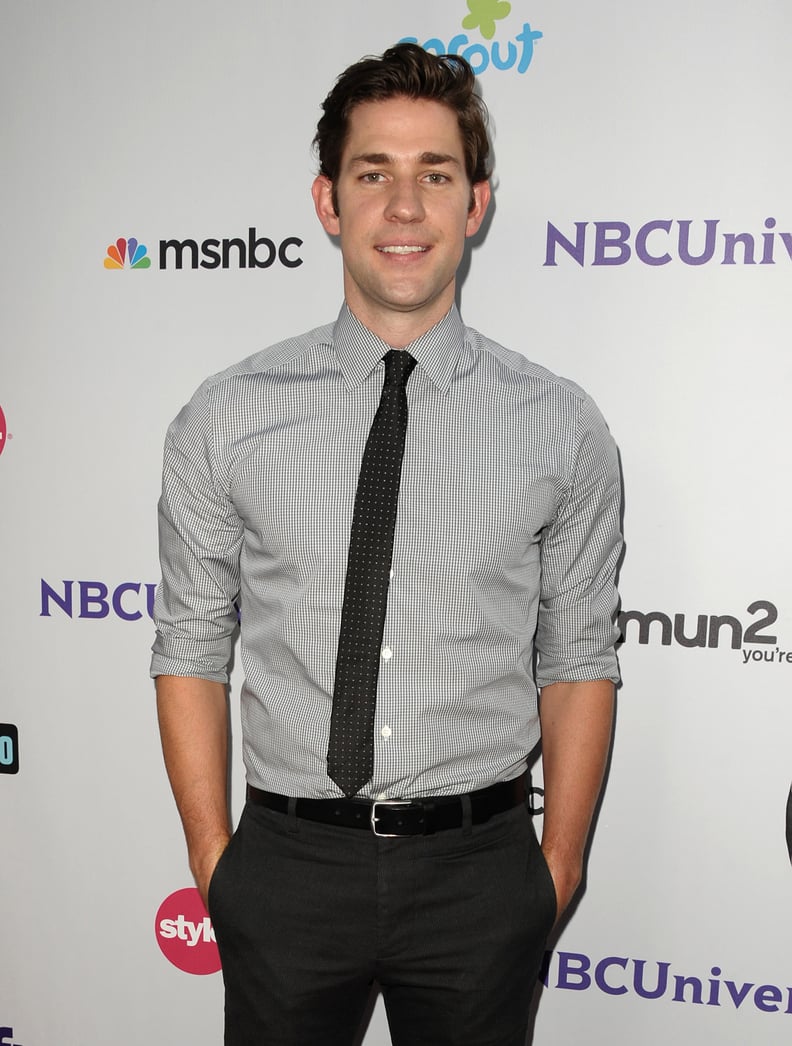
398 366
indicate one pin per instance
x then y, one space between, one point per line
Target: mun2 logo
502 54
127 253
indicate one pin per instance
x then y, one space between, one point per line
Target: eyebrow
384 159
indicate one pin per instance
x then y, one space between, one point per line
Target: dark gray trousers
451 927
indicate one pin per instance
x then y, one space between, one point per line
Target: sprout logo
502 55
127 251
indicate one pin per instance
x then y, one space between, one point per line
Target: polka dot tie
350 753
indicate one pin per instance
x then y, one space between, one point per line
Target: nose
405 203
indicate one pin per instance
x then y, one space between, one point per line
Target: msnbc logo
482 15
123 251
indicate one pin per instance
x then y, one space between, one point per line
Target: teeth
401 249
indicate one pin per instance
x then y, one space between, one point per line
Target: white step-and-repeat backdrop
157 226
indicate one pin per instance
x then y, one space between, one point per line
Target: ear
322 192
481 197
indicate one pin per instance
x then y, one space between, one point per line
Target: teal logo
484 14
504 44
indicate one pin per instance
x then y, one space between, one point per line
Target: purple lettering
151 592
683 982
767 253
128 586
599 975
767 997
574 250
617 242
732 239
738 994
641 250
572 965
93 593
662 980
711 225
714 997
48 593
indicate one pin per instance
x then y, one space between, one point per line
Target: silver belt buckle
385 802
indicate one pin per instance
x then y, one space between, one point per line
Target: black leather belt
395 817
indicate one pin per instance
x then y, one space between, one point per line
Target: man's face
404 210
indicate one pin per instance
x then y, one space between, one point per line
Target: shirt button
387 653
386 732
391 574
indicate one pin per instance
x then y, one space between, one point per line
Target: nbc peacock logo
127 253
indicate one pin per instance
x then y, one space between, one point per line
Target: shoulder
513 368
304 352
286 354
559 406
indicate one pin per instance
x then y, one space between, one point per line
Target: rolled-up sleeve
200 537
576 629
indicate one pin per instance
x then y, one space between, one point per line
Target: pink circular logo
184 933
3 431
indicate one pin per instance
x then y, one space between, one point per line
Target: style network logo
3 431
502 55
184 933
662 241
250 252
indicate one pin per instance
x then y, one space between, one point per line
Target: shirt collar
437 351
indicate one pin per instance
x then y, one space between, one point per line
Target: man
386 837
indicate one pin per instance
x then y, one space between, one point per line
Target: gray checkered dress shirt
506 545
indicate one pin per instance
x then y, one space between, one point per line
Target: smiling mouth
402 249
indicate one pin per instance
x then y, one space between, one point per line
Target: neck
398 329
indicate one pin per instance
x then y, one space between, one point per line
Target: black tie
350 753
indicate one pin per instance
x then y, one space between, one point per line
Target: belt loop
467 814
293 825
429 807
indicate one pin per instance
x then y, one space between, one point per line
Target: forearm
576 721
193 722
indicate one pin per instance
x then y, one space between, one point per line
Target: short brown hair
408 71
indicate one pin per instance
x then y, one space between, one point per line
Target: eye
371 177
436 178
